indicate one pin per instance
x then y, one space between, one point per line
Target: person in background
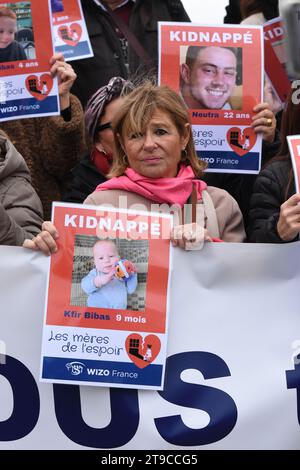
114 54
51 145
21 213
274 209
99 113
256 12
233 12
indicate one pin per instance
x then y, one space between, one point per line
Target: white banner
231 380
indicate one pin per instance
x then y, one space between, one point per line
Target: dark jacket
12 52
85 179
233 13
21 214
269 193
108 60
240 186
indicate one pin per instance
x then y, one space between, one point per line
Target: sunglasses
102 127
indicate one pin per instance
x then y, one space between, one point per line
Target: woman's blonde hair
135 114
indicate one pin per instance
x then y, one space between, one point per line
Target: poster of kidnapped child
27 88
107 297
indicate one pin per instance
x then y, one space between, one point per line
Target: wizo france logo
75 368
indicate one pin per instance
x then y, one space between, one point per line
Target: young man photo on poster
208 77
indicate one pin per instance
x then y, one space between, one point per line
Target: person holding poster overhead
274 208
256 12
99 112
117 53
51 145
208 77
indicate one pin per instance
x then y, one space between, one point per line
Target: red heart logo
70 34
241 141
39 86
142 351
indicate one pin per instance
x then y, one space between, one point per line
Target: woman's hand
44 241
66 77
264 121
190 236
288 226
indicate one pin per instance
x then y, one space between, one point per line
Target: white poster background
237 301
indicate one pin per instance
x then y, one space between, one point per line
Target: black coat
240 186
85 179
108 59
269 193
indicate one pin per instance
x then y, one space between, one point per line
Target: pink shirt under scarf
175 190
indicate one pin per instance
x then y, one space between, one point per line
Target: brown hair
193 52
4 11
135 114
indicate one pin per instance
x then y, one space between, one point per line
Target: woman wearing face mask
99 112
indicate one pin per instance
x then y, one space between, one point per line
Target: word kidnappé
112 225
211 37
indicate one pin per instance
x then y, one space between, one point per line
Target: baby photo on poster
109 273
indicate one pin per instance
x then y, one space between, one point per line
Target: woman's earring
184 155
125 161
100 148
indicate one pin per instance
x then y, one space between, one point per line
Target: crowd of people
134 138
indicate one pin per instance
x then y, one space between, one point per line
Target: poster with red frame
106 310
275 63
294 147
218 71
69 30
27 88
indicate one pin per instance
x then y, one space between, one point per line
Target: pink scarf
163 190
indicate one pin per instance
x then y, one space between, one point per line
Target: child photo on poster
106 303
10 49
218 71
114 275
27 88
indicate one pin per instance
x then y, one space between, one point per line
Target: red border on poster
60 279
274 33
42 31
249 38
